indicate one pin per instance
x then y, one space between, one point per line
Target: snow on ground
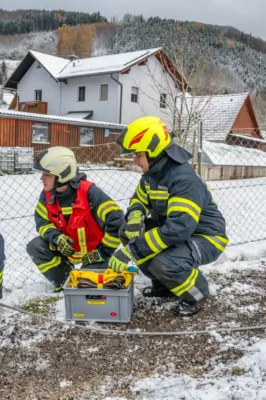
220 366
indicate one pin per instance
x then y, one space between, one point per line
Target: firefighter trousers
52 264
176 268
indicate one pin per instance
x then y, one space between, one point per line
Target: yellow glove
133 224
92 258
63 245
119 261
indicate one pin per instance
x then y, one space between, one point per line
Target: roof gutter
121 97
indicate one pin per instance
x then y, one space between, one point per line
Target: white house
115 88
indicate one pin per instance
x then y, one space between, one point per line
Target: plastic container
102 305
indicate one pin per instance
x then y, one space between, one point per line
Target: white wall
106 111
39 78
151 80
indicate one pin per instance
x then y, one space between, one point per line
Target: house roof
105 64
79 114
247 137
224 154
57 119
53 65
217 113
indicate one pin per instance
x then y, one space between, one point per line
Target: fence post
200 143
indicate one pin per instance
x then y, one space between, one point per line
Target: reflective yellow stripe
44 228
126 251
110 241
58 288
150 242
66 210
143 260
51 264
136 201
82 240
183 209
222 239
1 276
187 285
156 194
186 201
158 197
75 260
154 241
42 211
179 204
142 195
105 208
215 240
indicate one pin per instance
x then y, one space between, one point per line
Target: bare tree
185 88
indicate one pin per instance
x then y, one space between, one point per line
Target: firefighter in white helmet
77 222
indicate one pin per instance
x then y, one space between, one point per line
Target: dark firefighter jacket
174 195
104 210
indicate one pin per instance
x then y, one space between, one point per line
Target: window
134 94
163 97
40 132
81 93
86 136
38 65
38 95
104 92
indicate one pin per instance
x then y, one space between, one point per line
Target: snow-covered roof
79 114
55 118
217 113
52 64
248 138
105 64
224 154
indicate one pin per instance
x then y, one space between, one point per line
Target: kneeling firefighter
77 222
183 227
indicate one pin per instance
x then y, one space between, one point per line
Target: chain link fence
235 172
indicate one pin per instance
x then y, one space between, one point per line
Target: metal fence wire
235 172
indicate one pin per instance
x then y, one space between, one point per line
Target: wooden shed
88 138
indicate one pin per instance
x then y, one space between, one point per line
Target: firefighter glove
63 243
133 224
92 257
119 261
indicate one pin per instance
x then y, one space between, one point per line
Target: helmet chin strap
57 185
154 160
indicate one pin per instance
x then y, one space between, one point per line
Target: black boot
157 290
184 309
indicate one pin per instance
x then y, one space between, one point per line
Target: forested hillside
237 61
26 21
236 54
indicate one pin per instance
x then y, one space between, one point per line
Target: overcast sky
246 15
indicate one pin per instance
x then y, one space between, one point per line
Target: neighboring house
115 88
40 131
227 119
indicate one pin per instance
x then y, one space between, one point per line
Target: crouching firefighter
77 222
183 227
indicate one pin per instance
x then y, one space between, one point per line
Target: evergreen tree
3 71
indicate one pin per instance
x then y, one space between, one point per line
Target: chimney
72 57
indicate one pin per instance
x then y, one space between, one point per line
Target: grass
40 306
